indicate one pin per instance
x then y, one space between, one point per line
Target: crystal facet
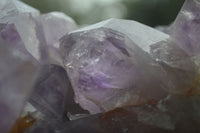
186 28
17 77
50 91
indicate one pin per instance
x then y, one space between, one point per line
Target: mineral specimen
120 62
130 77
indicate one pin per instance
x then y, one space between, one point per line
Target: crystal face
15 7
186 28
16 84
51 34
38 32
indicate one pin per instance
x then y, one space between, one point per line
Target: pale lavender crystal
53 26
17 77
110 65
15 7
9 34
40 33
180 68
22 18
186 28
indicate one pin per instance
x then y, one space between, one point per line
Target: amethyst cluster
116 76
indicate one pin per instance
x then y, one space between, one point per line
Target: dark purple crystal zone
9 33
52 94
50 91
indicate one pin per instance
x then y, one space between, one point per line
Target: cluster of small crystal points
116 76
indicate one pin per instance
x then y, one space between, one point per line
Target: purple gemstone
110 65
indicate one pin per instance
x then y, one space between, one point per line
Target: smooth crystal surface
180 68
186 28
53 26
15 7
15 84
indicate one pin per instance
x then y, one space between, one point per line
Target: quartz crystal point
40 33
186 28
35 32
54 25
110 65
17 77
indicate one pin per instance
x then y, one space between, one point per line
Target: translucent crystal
54 25
186 28
17 77
110 65
15 7
39 33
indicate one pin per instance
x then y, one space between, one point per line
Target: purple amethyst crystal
50 91
111 66
180 68
17 77
186 27
39 33
9 34
55 25
130 77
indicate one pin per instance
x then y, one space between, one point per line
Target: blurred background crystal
150 12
